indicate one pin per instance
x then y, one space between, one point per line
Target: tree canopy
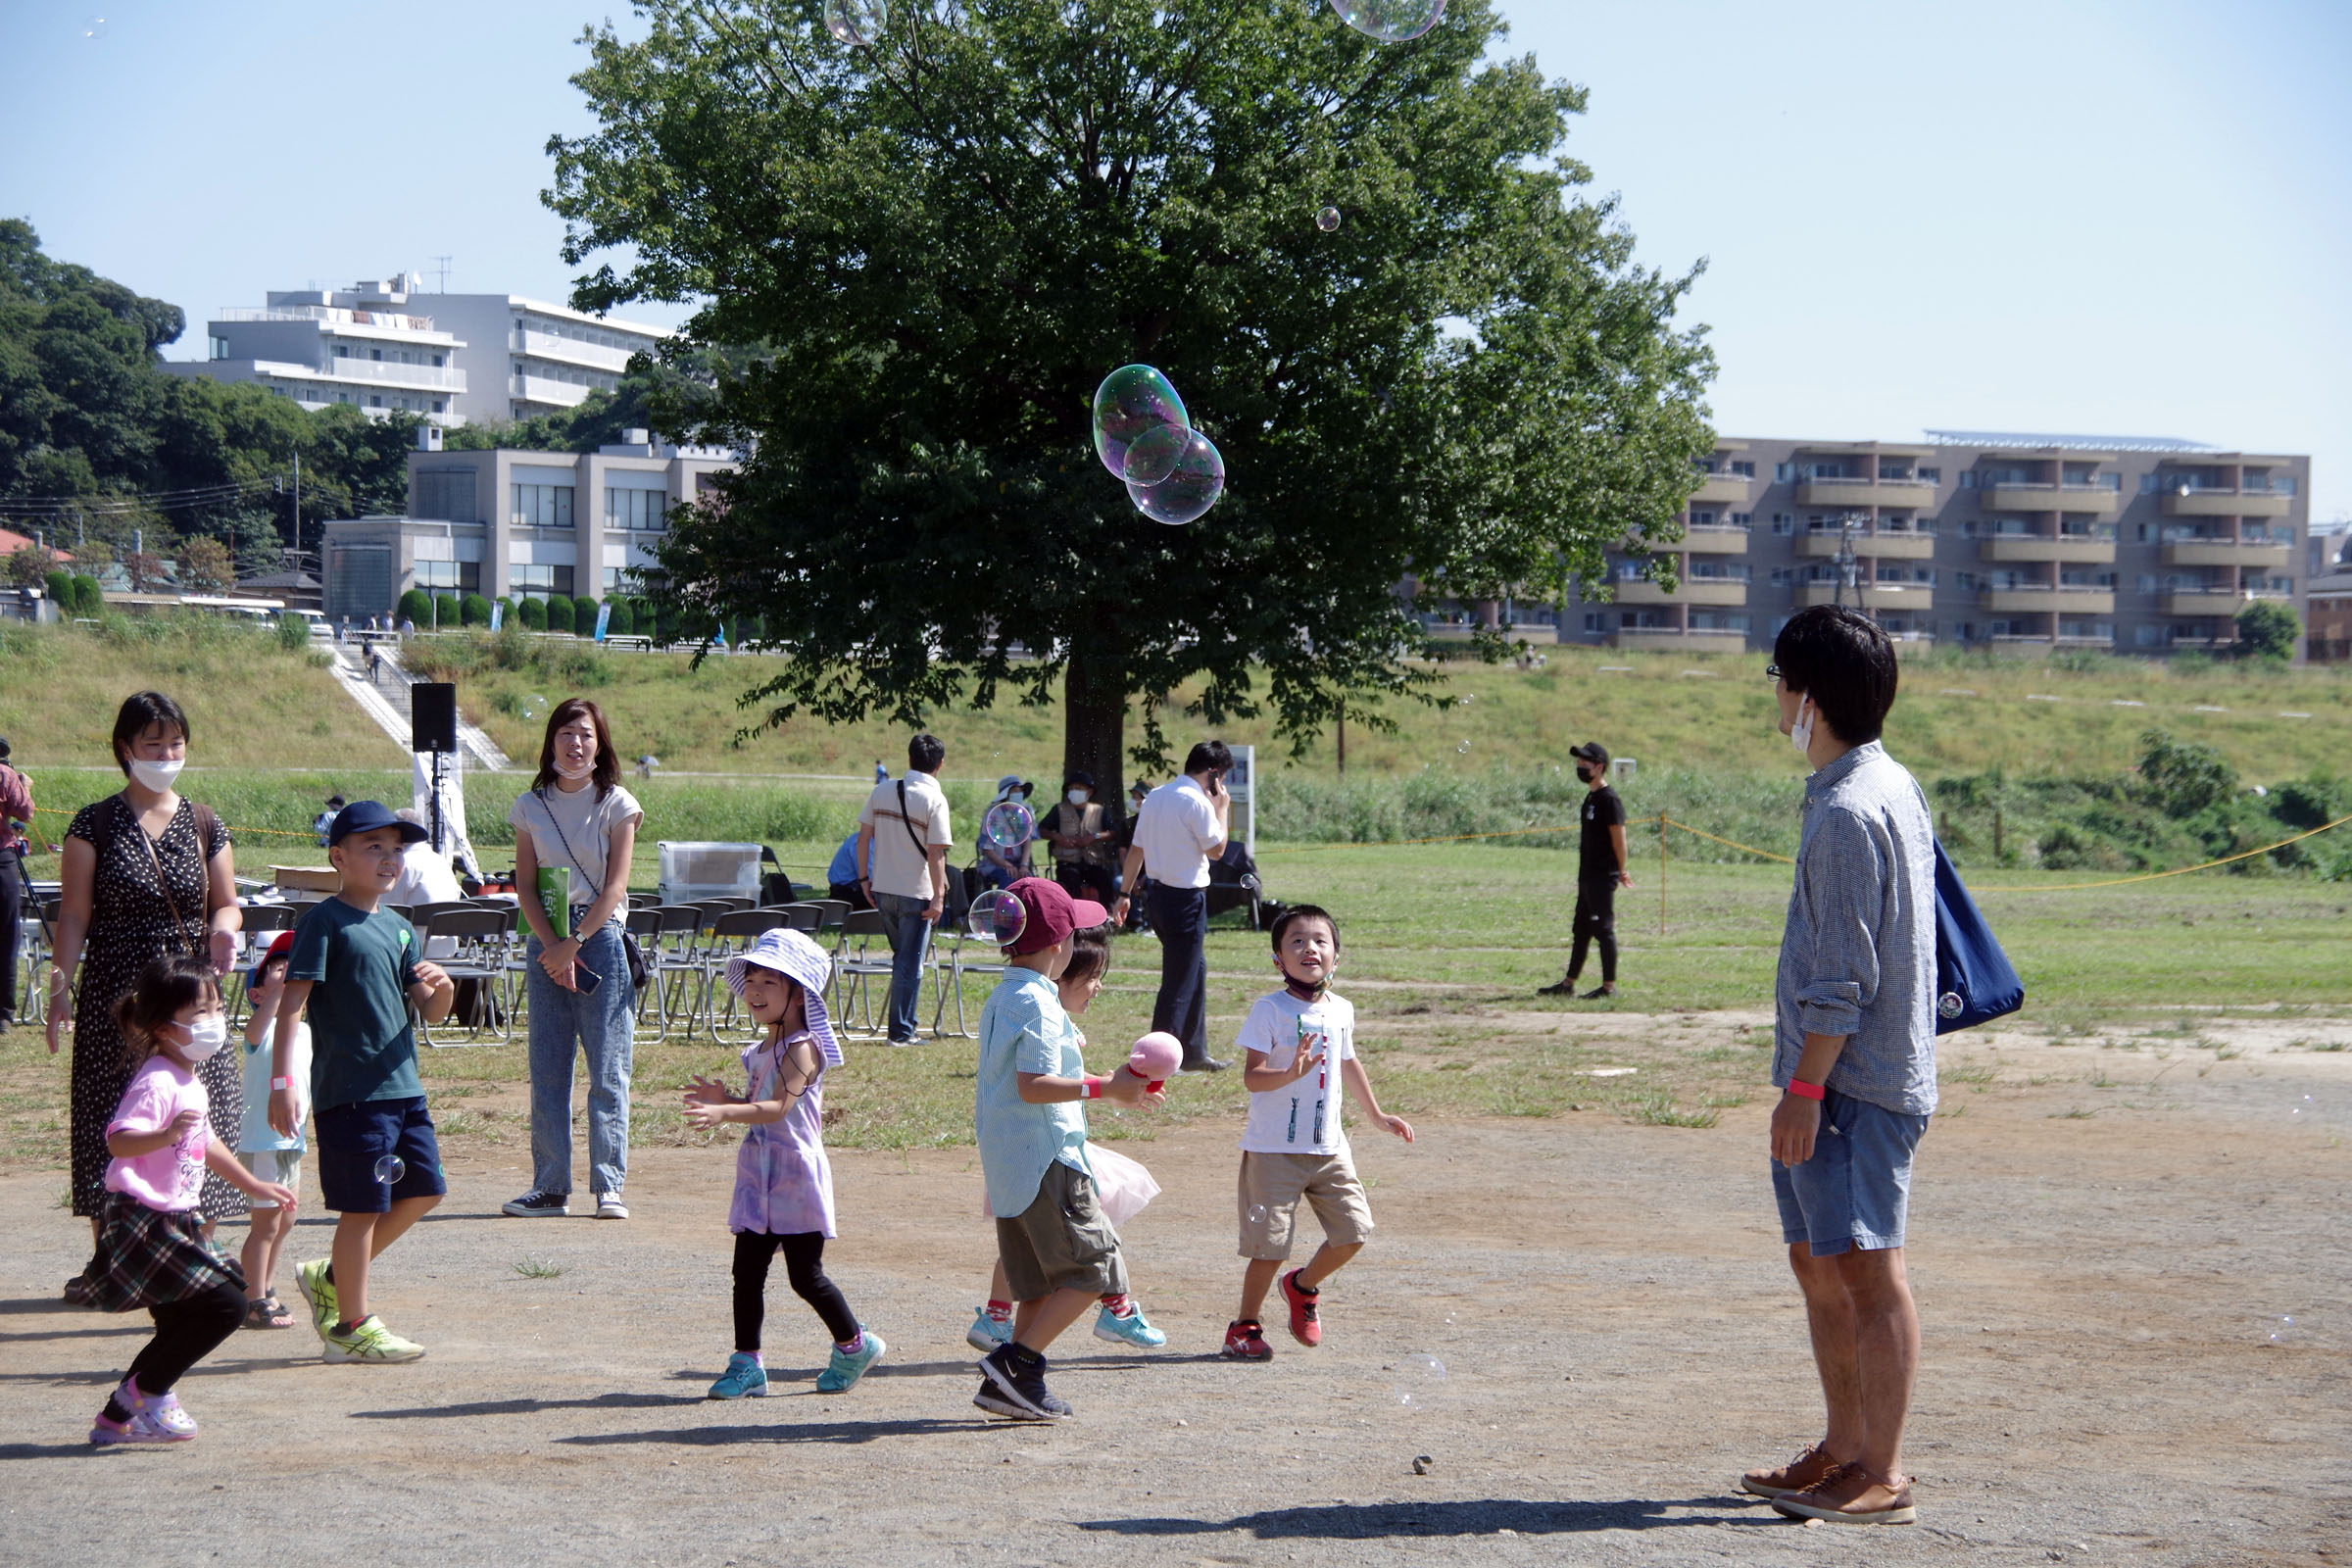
939 245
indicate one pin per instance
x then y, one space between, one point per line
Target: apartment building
517 525
1982 539
386 345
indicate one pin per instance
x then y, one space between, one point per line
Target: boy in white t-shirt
1301 1043
271 1154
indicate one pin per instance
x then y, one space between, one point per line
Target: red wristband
1094 1088
1805 1091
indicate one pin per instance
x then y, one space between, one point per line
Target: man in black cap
16 806
1600 870
1079 829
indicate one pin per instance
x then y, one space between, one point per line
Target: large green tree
941 242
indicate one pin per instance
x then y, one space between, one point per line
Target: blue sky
2071 216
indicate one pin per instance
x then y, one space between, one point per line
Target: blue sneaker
744 1378
1133 1329
842 1372
986 1333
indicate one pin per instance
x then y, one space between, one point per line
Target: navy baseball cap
365 817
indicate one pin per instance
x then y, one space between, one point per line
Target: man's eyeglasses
1772 672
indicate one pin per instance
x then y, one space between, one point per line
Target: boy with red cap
1060 1252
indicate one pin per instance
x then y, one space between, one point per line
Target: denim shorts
353 1139
1855 1191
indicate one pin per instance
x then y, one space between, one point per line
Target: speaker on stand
434 729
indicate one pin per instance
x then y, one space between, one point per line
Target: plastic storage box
703 868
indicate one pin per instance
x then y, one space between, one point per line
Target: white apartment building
387 345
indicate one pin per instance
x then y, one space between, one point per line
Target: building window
1596 621
1927 475
1745 471
1784 522
436 362
375 400
634 508
375 353
454 576
1742 519
1781 575
1968 479
1781 473
437 405
1703 519
539 582
542 505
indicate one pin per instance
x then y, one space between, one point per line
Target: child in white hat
783 1182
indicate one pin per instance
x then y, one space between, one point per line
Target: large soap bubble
854 21
1191 488
1391 21
1152 456
997 918
1009 824
1133 401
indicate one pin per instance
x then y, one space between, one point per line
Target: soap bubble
1191 488
1463 748
1009 823
390 1169
534 709
2283 1332
1328 220
1257 1213
1152 456
997 918
1391 21
1132 400
93 27
1418 1377
854 21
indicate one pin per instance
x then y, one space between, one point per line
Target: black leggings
1596 921
185 1333
804 1270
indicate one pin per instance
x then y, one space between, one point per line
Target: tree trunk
1094 737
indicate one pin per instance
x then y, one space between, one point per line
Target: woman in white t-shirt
576 819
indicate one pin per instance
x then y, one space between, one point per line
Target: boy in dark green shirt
358 968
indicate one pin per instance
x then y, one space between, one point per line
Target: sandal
77 1290
267 1313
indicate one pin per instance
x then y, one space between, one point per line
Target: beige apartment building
1996 540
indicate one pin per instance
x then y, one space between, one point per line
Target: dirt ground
2104 1243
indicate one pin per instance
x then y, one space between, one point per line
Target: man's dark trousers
12 906
1179 918
1596 921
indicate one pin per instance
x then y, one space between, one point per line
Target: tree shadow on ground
47 1450
796 1432
601 1402
1482 1517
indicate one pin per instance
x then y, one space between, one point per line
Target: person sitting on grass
783 1181
1301 1043
357 969
1060 1252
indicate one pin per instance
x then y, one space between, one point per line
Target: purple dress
783 1182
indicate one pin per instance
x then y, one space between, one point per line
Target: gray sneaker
539 1206
610 1207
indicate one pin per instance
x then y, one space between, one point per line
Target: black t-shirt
1596 860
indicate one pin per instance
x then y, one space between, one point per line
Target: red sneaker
1246 1341
1306 1328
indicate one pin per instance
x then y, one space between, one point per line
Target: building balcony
2006 495
382 373
2036 547
1733 488
2214 502
1906 493
2225 553
1689 591
555 394
2043 601
1874 595
1715 541
1883 546
1673 639
2212 601
569 351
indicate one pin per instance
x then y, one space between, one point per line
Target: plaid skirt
148 1257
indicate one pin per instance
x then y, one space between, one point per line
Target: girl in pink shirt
150 1233
783 1182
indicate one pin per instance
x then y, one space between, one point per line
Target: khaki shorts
281 1165
1062 1242
1273 1183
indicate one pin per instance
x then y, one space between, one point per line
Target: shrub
60 585
474 609
532 613
293 633
88 597
620 624
416 606
447 611
557 615
2268 630
583 616
2184 777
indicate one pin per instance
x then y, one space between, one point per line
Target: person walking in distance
16 814
1854 1057
1600 870
1182 827
903 841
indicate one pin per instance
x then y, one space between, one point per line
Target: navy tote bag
1974 979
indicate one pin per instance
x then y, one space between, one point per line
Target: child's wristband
281 1083
1805 1091
1093 1088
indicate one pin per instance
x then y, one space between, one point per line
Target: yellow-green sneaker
368 1340
319 1294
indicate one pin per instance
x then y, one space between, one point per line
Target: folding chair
485 957
800 917
830 911
678 952
958 968
852 967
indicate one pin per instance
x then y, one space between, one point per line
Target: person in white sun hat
783 1182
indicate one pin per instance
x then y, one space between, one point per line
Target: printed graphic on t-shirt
1301 1117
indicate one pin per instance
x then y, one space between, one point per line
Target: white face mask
206 1036
1076 796
156 776
579 769
1800 729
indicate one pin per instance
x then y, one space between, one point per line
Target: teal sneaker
841 1374
319 1294
744 1378
986 1333
1133 1329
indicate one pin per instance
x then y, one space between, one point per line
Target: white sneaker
610 1207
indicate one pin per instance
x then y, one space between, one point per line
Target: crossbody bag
202 816
953 901
631 953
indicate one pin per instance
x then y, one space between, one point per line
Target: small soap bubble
93 27
1133 401
1328 220
1191 488
1391 21
1152 456
1419 1376
1463 748
997 918
1009 823
854 21
390 1169
534 707
1257 1213
2283 1332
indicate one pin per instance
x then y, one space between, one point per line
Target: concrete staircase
386 702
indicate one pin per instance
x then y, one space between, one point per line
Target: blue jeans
564 1023
910 940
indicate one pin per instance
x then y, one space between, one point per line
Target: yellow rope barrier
2157 876
1735 844
272 832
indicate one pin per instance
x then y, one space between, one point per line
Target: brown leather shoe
1852 1496
1795 1476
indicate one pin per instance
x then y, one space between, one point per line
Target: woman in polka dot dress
146 873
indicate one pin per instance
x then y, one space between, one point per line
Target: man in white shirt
1182 826
425 877
902 852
